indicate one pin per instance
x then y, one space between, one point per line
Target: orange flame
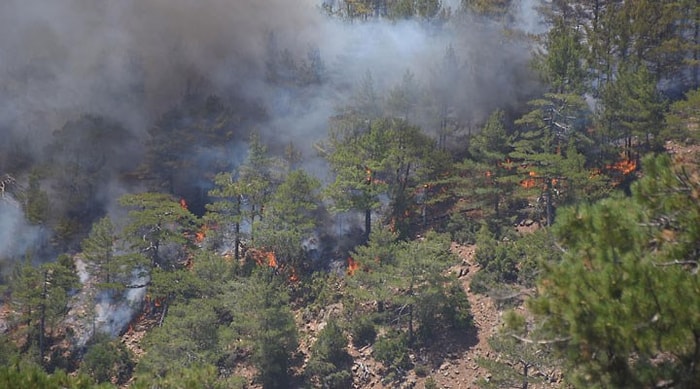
530 182
507 164
201 234
183 204
370 179
293 277
271 259
488 173
626 166
263 258
352 266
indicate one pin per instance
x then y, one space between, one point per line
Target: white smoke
17 236
114 313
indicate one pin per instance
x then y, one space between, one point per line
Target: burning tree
290 217
612 301
157 220
384 161
407 281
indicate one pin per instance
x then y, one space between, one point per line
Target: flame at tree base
352 266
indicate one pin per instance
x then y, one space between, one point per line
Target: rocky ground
451 360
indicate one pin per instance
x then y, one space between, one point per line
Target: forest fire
200 235
531 182
183 204
262 257
293 276
352 266
370 178
625 166
271 259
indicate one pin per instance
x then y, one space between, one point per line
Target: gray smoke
131 60
17 236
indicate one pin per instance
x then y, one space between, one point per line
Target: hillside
349 193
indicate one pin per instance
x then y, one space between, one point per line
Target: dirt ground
451 360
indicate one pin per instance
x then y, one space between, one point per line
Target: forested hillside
350 194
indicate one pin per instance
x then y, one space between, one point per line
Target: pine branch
548 341
676 262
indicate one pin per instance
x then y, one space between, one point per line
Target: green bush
330 362
457 311
363 331
392 351
462 228
421 370
338 380
107 359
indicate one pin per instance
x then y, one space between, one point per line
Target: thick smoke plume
122 64
131 60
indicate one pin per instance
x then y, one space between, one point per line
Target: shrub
457 311
363 331
462 228
106 359
330 361
421 370
392 351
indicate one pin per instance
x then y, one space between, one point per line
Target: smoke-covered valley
348 193
131 62
88 90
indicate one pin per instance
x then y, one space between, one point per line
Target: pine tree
330 362
290 217
611 305
157 220
226 211
40 297
98 251
261 314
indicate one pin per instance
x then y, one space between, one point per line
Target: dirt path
461 370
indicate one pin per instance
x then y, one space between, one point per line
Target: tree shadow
448 344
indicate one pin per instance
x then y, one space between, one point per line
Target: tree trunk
410 325
368 223
237 239
525 374
548 203
42 317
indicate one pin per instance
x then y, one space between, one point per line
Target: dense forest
264 193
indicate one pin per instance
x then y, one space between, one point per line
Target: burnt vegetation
201 198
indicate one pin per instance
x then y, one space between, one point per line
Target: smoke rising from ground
70 66
130 61
16 235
